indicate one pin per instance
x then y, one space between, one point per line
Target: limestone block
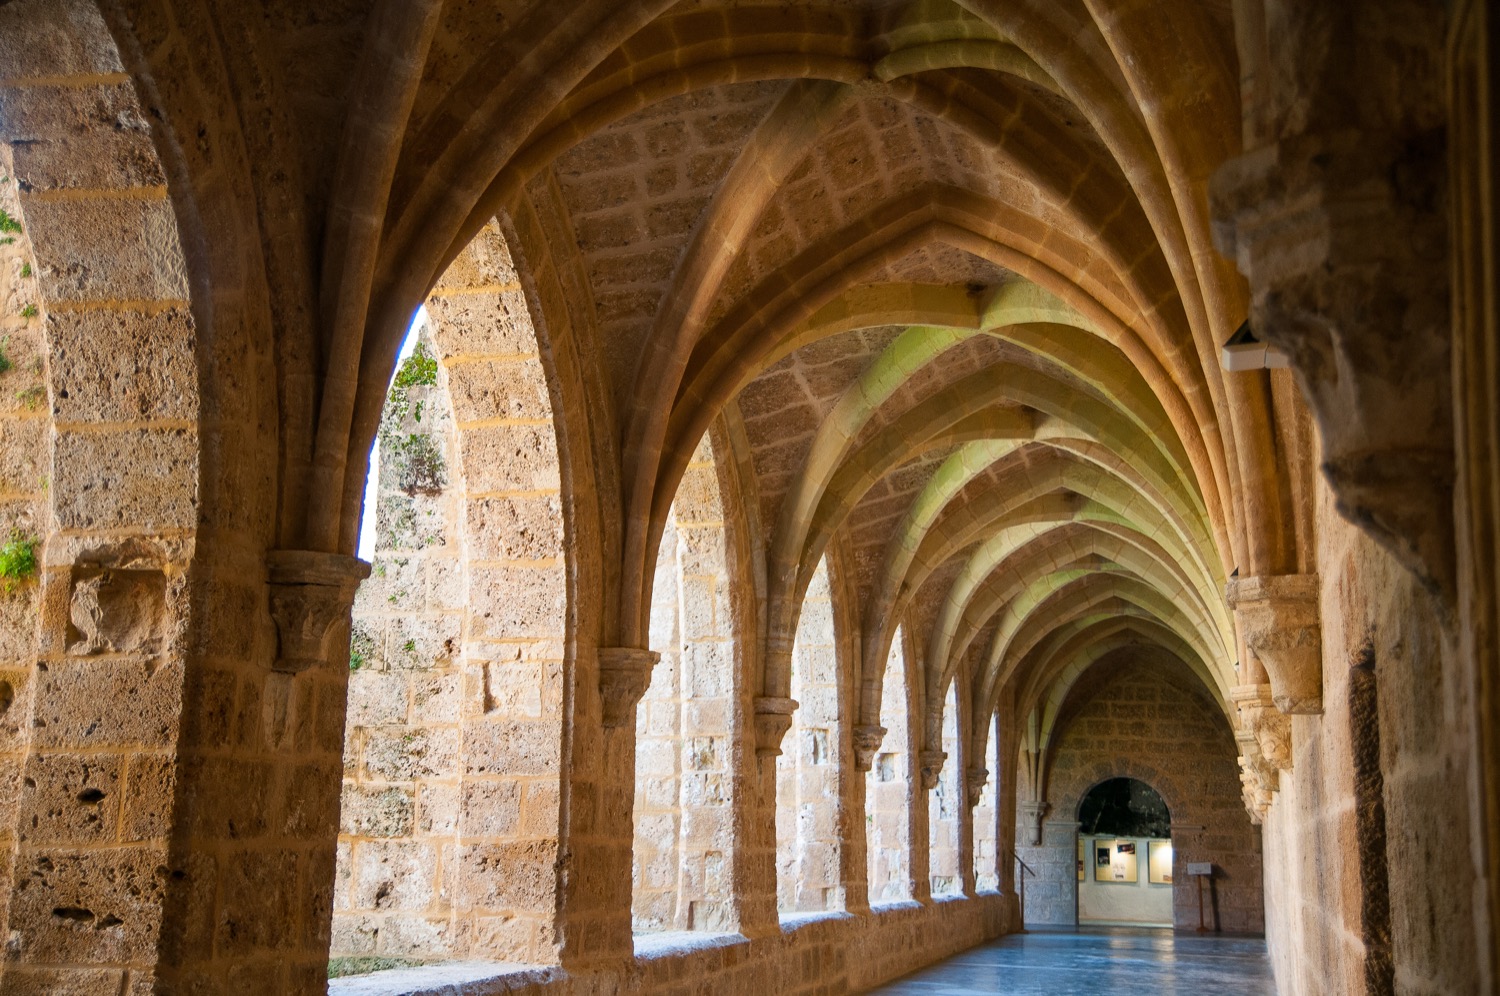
69 799
395 585
494 324
421 937
99 249
445 586
102 702
435 698
490 809
377 698
507 876
540 809
377 811
506 458
421 643
486 260
355 934
515 601
99 373
437 808
95 906
22 452
511 748
408 753
392 875
510 389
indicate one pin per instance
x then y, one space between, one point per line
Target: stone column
600 837
251 871
771 717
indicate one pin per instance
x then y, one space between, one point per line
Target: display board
1159 862
1116 861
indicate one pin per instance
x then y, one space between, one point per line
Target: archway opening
808 849
986 816
888 788
684 764
449 821
944 807
1125 855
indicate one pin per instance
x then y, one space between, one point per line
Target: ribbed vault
943 268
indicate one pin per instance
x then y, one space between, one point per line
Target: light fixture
1244 351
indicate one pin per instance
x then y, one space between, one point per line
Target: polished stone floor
1105 961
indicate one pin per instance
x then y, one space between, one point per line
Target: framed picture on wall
1159 862
1116 863
1082 856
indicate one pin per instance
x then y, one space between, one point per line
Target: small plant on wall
17 561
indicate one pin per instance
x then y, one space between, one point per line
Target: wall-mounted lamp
1245 352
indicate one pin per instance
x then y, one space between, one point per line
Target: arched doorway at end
1124 855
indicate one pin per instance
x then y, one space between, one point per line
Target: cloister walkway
1111 961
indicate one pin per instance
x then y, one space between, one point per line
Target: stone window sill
459 978
680 942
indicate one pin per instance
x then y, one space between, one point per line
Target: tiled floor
1105 961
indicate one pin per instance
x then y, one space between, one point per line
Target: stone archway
686 834
453 759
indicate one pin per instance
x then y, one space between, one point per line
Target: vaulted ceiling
943 267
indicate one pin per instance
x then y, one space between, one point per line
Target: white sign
1200 868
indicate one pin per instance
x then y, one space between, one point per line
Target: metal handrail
1021 885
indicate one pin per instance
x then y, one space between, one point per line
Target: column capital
624 676
931 766
867 741
1031 813
1278 618
975 779
1271 728
1259 779
310 592
773 717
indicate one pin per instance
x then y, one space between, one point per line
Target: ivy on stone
17 560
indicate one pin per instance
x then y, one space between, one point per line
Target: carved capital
1029 817
1271 728
1278 617
773 717
310 594
1259 779
975 780
624 676
931 766
867 741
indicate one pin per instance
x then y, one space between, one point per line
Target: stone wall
24 461
945 808
1320 897
402 784
686 724
888 789
986 818
454 748
820 956
1151 722
808 800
